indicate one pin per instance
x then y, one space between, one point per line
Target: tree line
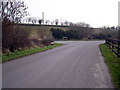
34 20
84 31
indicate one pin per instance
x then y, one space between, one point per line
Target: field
40 31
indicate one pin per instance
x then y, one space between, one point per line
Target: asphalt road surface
76 64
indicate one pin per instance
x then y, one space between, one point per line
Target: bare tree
56 22
34 20
61 23
28 20
47 22
87 25
82 24
40 21
71 24
14 10
52 22
66 23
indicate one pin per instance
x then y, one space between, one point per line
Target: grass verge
113 63
17 54
80 40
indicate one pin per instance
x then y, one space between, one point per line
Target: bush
47 41
71 34
13 37
57 33
7 34
21 39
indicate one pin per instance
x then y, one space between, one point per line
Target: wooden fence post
112 44
105 41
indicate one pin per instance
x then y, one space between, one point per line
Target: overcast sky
95 12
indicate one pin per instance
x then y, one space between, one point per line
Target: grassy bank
113 63
81 40
17 54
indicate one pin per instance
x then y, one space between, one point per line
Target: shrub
13 37
21 39
47 41
7 34
57 33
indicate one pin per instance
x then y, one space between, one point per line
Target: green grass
113 63
0 57
17 54
80 40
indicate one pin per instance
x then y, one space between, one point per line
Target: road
76 64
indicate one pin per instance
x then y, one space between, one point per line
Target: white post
43 17
119 20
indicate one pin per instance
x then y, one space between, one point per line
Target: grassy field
48 27
40 32
17 54
113 63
